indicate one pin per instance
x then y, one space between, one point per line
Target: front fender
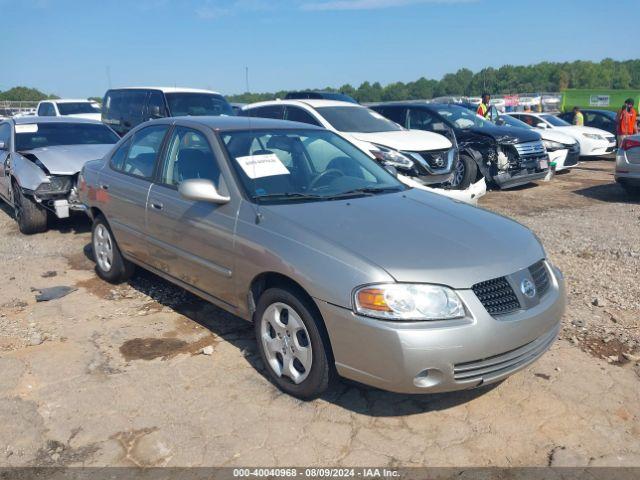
28 175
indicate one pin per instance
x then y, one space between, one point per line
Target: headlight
552 146
55 185
392 157
593 136
405 301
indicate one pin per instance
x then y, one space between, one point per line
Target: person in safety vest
483 108
578 117
626 121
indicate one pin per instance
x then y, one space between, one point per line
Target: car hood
556 135
578 130
405 140
415 236
67 159
504 134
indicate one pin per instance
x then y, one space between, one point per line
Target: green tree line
541 77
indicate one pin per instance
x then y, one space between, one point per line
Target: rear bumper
626 171
429 357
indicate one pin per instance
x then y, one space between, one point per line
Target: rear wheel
465 172
291 345
110 264
29 214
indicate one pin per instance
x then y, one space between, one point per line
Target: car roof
403 103
227 123
310 102
168 89
69 100
535 114
34 119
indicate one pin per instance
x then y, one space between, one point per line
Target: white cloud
368 4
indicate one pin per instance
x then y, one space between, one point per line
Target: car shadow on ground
609 192
240 333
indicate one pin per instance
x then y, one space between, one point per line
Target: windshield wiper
287 196
367 191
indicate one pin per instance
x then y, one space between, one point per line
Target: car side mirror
500 122
541 125
3 146
154 112
201 190
392 170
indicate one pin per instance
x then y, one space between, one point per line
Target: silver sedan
627 172
343 270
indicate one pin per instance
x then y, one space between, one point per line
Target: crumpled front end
514 164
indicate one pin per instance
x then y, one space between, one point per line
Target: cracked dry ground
112 375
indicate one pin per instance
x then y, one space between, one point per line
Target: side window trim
128 146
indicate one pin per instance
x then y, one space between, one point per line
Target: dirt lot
113 375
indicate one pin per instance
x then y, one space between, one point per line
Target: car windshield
357 119
74 108
512 122
555 121
38 135
287 166
461 117
197 104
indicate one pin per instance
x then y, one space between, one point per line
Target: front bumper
594 148
564 159
430 357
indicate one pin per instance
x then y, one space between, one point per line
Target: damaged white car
40 159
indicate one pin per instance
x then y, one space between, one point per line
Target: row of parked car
316 220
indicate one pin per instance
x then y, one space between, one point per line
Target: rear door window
143 153
297 114
271 111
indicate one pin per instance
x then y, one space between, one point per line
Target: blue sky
67 46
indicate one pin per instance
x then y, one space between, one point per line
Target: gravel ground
590 229
114 375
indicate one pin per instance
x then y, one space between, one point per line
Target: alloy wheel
103 247
286 342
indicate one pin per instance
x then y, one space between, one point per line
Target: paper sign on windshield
258 166
27 128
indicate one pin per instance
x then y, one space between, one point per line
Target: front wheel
29 214
110 264
465 172
291 345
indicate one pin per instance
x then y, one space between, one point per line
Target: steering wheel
333 172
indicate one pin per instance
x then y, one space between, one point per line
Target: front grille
435 159
530 149
540 277
490 367
497 296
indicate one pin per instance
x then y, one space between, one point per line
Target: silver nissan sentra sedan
342 269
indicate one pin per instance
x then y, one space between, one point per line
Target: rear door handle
104 186
157 206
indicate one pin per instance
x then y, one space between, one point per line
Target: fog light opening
427 378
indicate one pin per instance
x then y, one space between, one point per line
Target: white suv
68 107
430 156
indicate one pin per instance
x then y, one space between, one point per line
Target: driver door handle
157 206
104 186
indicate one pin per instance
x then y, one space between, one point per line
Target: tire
465 172
30 216
285 320
110 264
